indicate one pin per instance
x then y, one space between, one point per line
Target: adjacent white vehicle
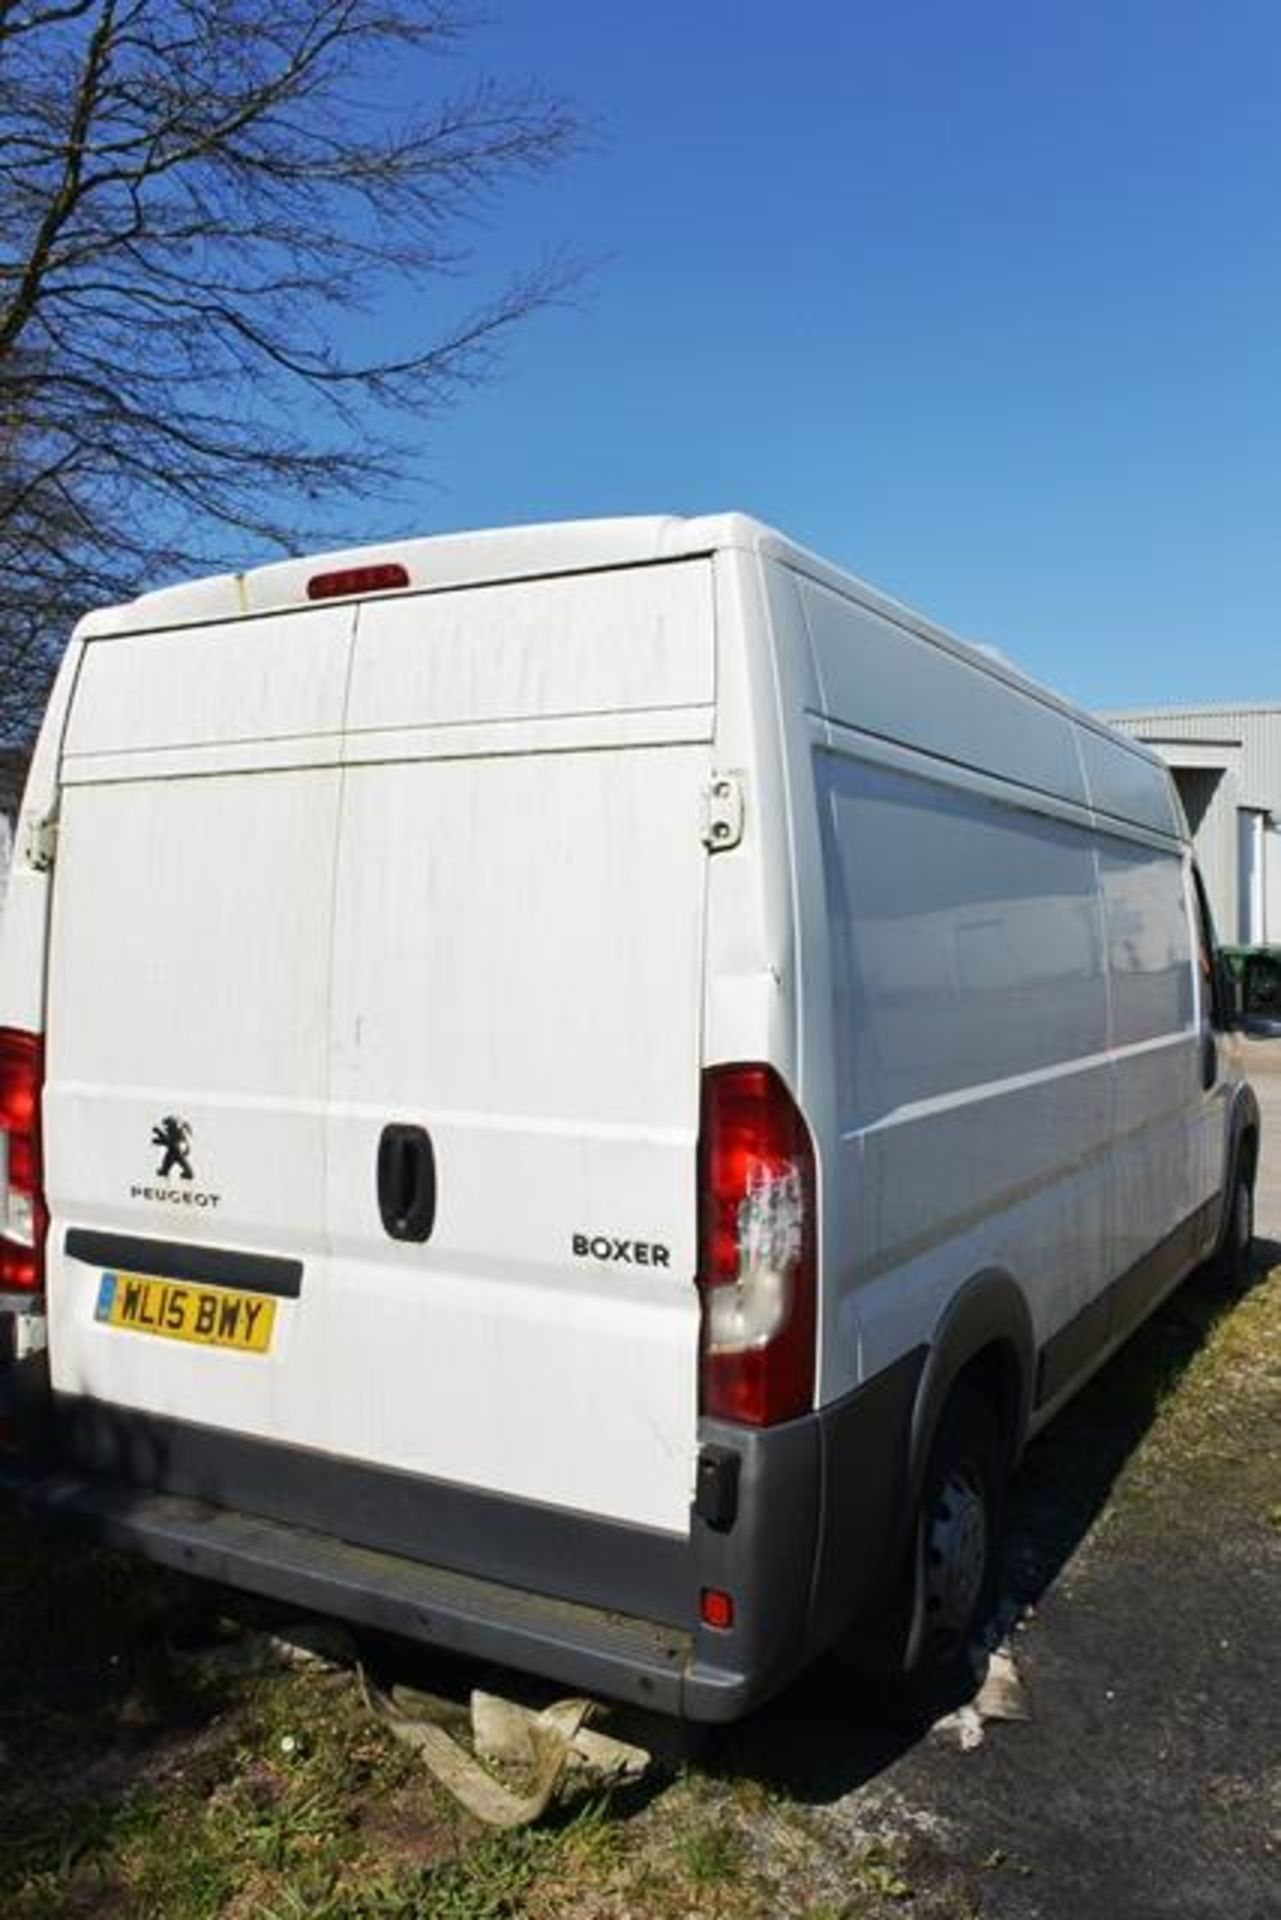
578 1092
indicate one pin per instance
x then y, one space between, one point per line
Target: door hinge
723 812
40 842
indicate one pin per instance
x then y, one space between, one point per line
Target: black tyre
960 1529
917 1656
1229 1271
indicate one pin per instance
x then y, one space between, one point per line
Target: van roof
438 562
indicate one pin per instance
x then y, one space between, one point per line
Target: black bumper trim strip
179 1260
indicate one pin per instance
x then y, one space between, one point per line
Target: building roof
1204 710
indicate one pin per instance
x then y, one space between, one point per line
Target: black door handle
407 1182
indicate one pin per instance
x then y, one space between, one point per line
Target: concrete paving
1262 1062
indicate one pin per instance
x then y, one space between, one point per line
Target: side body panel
971 1022
1159 1165
1012 1024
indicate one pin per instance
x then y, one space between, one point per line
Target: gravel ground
1146 1537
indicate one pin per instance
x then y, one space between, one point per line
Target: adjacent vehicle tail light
757 1267
23 1219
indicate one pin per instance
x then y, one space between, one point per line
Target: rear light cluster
757 1266
23 1219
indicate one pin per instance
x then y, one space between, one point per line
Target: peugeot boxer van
578 1092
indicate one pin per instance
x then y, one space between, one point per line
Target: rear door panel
189 980
518 973
518 954
442 868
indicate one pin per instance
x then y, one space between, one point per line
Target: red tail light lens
757 1266
335 586
23 1219
716 1608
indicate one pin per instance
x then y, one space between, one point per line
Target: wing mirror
1252 983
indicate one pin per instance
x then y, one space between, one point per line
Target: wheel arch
984 1337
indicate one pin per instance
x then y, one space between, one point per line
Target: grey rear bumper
457 1612
579 1601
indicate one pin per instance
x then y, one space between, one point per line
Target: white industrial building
1226 762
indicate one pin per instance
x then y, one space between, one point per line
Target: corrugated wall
1256 731
1247 741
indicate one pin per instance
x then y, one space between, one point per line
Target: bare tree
204 205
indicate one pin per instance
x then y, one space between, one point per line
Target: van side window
1207 955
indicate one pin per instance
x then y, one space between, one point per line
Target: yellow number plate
180 1310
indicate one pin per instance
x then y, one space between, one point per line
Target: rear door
188 1045
432 864
517 978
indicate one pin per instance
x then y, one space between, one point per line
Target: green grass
158 1787
712 1854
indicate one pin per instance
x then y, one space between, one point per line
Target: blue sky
981 301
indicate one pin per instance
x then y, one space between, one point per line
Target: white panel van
578 1092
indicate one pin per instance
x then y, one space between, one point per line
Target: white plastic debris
463 1776
1002 1695
504 1732
544 1747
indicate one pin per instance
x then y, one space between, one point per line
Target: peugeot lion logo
174 1136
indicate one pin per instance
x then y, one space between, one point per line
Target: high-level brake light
23 1219
757 1265
346 580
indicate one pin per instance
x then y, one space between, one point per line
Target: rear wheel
959 1532
917 1656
